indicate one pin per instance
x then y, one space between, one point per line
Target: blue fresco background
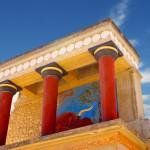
80 98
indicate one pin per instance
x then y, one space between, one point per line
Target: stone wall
130 95
146 128
111 135
24 122
141 128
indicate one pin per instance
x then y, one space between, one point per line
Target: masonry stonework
25 120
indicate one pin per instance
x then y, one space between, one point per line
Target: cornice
65 46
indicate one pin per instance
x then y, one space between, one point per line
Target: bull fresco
79 105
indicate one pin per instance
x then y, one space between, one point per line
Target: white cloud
119 12
141 65
134 42
146 75
146 110
146 97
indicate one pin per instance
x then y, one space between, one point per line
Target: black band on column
9 86
105 49
52 69
106 52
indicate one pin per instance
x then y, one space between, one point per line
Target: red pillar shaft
5 105
107 88
49 105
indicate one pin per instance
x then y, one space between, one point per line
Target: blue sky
27 24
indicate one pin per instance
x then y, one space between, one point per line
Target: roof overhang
71 53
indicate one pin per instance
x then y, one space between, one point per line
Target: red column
51 73
7 90
49 104
106 54
5 105
107 88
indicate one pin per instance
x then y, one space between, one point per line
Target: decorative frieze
93 39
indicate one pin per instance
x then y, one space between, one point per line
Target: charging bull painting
78 107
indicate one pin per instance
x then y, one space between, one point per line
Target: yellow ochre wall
25 120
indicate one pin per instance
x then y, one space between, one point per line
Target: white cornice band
68 49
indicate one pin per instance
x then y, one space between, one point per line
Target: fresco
82 101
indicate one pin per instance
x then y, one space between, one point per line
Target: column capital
105 49
9 86
51 69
